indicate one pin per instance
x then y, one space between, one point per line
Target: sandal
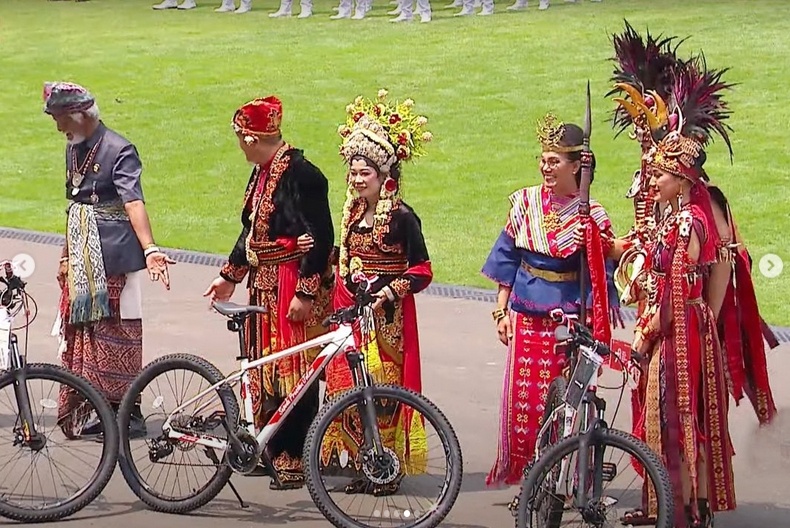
358 486
637 517
288 481
705 517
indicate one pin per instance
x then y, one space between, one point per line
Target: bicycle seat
229 309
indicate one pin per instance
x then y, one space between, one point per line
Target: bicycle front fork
367 406
27 433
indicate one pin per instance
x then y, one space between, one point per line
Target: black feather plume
697 92
645 64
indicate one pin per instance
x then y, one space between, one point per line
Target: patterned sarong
87 280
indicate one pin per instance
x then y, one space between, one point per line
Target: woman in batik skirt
380 236
536 262
685 415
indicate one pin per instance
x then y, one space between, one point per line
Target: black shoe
92 427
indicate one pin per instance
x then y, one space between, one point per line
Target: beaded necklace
77 174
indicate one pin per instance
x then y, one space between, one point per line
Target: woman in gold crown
381 236
536 262
685 416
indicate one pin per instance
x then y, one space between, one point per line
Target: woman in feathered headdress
689 88
685 417
643 78
381 236
730 292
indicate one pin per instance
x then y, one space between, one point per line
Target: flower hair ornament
386 133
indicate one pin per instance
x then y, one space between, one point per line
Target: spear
584 204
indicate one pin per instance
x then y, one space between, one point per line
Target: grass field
170 82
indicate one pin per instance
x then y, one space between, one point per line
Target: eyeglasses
549 163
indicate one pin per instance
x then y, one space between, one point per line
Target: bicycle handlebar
579 335
574 332
14 284
362 298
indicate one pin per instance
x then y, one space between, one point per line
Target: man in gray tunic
109 247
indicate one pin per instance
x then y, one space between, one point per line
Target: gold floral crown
550 131
383 131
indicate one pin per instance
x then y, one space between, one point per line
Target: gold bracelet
499 314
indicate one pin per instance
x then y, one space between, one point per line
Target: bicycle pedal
513 506
609 471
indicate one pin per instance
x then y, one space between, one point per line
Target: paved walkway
463 365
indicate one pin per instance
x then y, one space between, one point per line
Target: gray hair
92 112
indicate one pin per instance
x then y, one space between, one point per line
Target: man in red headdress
286 196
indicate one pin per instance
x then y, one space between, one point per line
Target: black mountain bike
566 481
29 490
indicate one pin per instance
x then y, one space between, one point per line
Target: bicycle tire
218 481
109 456
608 437
312 453
554 399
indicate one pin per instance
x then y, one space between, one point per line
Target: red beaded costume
286 197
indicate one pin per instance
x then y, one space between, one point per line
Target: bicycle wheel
74 401
158 451
553 401
546 501
388 477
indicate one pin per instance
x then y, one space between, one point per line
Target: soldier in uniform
286 196
109 246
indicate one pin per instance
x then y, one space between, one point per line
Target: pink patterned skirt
531 366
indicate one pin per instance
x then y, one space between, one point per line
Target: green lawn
170 81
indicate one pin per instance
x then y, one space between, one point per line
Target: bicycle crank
245 460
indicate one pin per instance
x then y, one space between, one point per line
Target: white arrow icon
23 265
771 266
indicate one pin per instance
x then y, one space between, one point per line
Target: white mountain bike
574 464
227 441
51 469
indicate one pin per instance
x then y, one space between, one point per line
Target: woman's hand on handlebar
380 298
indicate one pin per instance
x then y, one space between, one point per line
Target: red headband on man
259 117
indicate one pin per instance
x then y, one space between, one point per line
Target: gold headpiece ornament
550 131
383 131
677 154
648 113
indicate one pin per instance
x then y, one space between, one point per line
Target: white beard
75 139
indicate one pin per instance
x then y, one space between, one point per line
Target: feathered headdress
697 96
642 67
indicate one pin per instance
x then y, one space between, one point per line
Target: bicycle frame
571 416
11 360
334 342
